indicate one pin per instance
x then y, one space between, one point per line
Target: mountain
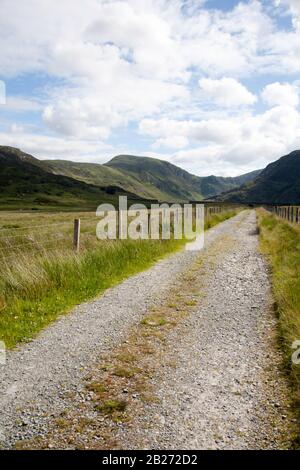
213 185
149 178
160 178
26 182
100 175
278 183
171 182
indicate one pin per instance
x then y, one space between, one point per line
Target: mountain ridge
26 179
150 178
278 183
27 182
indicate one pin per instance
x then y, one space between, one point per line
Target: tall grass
215 219
37 284
280 241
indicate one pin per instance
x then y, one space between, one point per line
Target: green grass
36 292
37 284
215 219
280 241
108 407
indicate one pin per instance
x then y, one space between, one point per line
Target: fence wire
16 241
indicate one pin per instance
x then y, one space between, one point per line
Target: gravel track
38 376
226 390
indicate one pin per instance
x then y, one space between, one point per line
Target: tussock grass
215 219
108 407
154 321
280 241
36 288
38 282
123 372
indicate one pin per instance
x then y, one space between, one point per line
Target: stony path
38 376
226 390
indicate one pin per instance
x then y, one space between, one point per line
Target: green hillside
101 175
214 185
27 183
172 181
149 178
164 180
278 183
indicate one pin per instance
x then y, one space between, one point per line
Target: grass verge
280 241
35 288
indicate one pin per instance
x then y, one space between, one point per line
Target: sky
212 86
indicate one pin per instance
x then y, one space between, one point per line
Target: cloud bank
213 90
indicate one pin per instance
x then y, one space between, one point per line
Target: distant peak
135 158
8 148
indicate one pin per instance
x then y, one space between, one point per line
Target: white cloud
20 104
94 110
118 63
226 92
47 146
172 142
294 9
204 131
116 60
244 142
2 93
280 94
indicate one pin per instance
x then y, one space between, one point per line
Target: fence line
71 230
34 226
35 242
289 213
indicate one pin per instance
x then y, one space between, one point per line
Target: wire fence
289 213
23 234
37 234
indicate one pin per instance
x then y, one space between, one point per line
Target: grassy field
41 277
280 241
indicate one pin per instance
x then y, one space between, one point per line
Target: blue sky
212 86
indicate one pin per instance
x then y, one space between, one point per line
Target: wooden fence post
149 222
76 239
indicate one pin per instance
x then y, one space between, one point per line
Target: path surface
221 393
226 390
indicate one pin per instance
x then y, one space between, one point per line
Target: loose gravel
225 388
39 376
216 377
